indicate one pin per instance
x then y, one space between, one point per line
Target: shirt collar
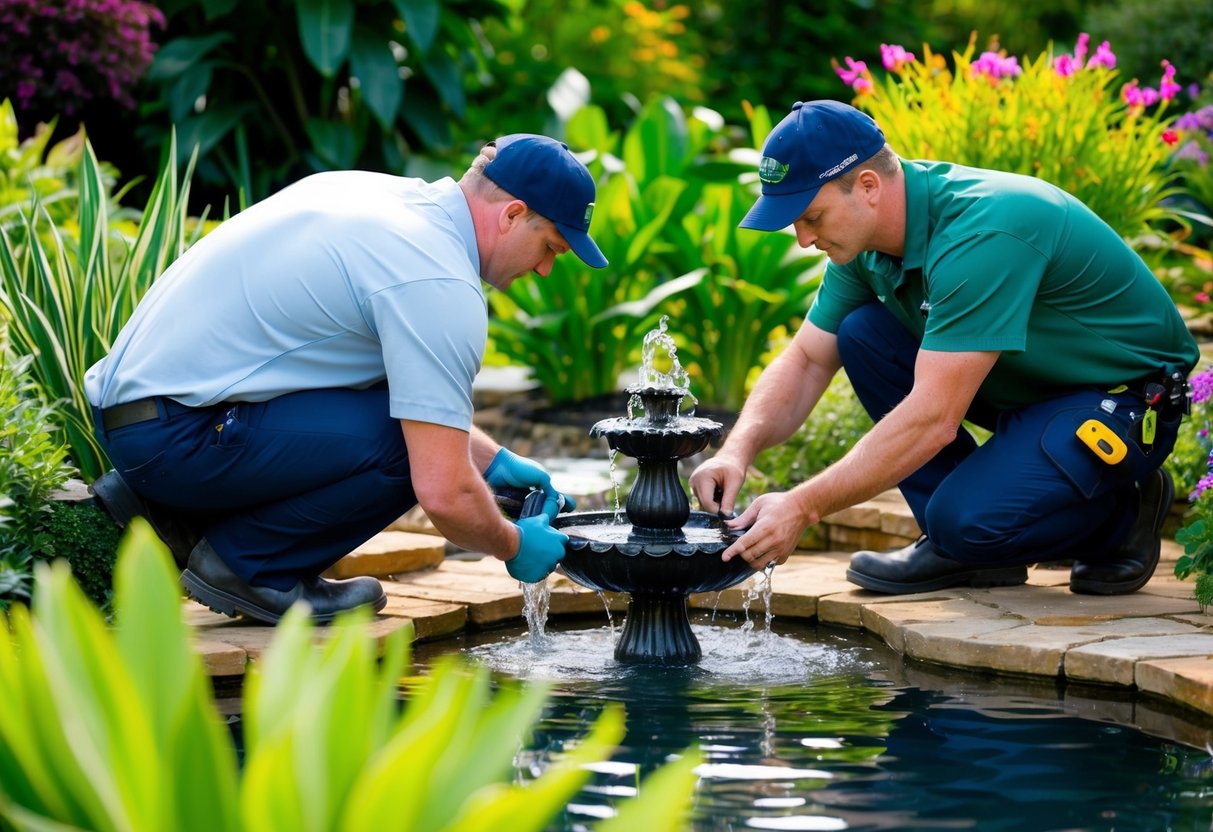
447 194
918 219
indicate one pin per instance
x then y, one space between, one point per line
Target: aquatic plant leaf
531 807
663 802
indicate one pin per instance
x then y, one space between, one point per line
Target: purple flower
1192 151
1201 487
1202 386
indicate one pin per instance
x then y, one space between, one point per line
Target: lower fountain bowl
606 554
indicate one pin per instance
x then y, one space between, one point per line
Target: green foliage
666 218
66 302
1075 131
270 91
87 539
553 56
118 729
32 467
1146 31
837 423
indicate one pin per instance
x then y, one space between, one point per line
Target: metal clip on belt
121 415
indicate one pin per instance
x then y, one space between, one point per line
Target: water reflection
806 730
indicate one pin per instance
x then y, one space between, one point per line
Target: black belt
132 413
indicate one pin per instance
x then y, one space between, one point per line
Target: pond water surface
805 728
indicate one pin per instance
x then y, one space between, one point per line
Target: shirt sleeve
433 334
842 290
980 294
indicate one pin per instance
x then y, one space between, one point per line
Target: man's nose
805 237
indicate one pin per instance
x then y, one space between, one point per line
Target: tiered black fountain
664 551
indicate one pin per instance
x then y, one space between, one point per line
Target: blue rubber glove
540 549
509 469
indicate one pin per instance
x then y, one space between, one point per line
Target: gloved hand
509 469
540 549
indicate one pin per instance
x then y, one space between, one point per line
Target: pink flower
1103 57
1203 297
995 66
1065 65
855 75
1135 97
1080 48
1167 88
1170 137
894 57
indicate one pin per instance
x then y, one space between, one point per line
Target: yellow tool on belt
1099 438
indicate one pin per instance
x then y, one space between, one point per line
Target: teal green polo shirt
1005 262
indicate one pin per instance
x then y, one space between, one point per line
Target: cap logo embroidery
589 212
771 170
840 167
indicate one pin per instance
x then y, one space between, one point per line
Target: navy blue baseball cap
553 183
816 142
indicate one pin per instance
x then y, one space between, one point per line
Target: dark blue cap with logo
553 183
816 142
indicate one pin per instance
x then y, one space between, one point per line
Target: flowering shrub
1056 117
1193 137
57 55
1197 532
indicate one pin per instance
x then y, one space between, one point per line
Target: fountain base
657 631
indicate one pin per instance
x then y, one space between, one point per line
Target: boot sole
1089 586
230 605
978 579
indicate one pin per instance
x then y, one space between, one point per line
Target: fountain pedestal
664 551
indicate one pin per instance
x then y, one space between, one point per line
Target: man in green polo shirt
955 293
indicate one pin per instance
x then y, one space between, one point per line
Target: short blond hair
885 161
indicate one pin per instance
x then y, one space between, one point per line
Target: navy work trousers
282 489
1033 491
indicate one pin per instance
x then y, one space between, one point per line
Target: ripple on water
731 655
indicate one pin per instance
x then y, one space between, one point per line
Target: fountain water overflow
664 551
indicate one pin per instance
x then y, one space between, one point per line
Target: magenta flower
1139 97
1065 65
1167 88
1080 48
894 57
995 66
1103 57
854 75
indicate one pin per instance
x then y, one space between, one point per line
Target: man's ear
869 183
513 212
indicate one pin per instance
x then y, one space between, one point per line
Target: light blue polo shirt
343 279
1003 262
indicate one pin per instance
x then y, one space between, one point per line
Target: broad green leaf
663 802
372 63
421 19
179 54
523 809
334 142
443 73
325 28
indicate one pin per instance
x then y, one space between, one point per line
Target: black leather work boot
920 568
122 504
213 583
1132 565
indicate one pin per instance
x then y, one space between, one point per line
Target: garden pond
816 728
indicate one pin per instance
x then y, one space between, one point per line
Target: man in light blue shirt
302 376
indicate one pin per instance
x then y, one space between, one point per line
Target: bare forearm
468 517
781 400
483 448
897 446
